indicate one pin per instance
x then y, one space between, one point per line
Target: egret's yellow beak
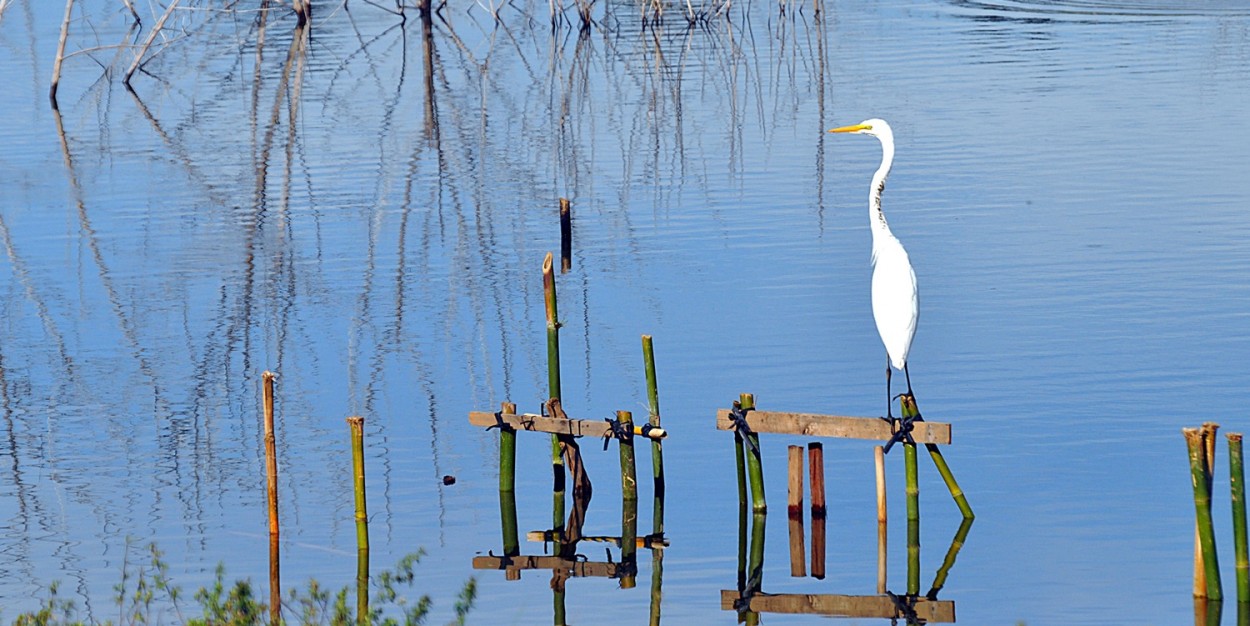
851 129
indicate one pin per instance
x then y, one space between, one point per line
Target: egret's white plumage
895 304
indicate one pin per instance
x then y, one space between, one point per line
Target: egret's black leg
908 375
889 400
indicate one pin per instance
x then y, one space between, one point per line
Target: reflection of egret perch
894 300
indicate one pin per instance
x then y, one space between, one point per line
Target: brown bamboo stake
794 509
271 475
816 472
148 43
60 52
882 526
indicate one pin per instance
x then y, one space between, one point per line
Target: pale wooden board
579 569
554 425
934 611
813 425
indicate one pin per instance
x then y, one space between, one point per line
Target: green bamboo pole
629 475
908 405
657 582
657 450
742 539
755 466
553 389
1202 506
1207 432
629 543
357 426
507 517
957 543
740 456
755 579
507 451
913 519
1237 478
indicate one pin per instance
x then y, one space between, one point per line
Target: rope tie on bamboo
616 430
903 433
499 423
738 417
905 606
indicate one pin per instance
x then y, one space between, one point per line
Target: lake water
368 218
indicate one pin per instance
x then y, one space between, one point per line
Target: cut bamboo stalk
816 472
657 450
1207 432
882 526
629 476
566 236
507 520
794 510
755 464
1202 506
271 492
908 405
60 52
160 23
913 519
507 451
957 543
357 426
657 584
740 456
629 548
1237 486
553 388
755 579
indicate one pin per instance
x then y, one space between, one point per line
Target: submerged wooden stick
60 52
507 451
1202 507
755 464
566 236
160 23
816 473
357 426
271 492
657 450
1237 485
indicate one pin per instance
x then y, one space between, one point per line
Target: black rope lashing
905 607
738 417
499 423
645 430
616 430
903 433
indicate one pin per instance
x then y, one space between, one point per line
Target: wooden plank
555 425
813 425
934 611
578 569
649 541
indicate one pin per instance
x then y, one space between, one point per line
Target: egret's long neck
876 217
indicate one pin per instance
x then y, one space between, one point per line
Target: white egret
895 304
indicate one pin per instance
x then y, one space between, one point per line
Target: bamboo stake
1207 432
507 517
882 527
271 491
553 388
755 579
60 52
566 236
507 451
794 510
755 465
629 476
816 473
1202 506
908 404
357 426
148 43
913 519
740 456
657 450
1237 484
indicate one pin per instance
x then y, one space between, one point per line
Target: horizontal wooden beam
933 611
558 426
578 569
812 425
